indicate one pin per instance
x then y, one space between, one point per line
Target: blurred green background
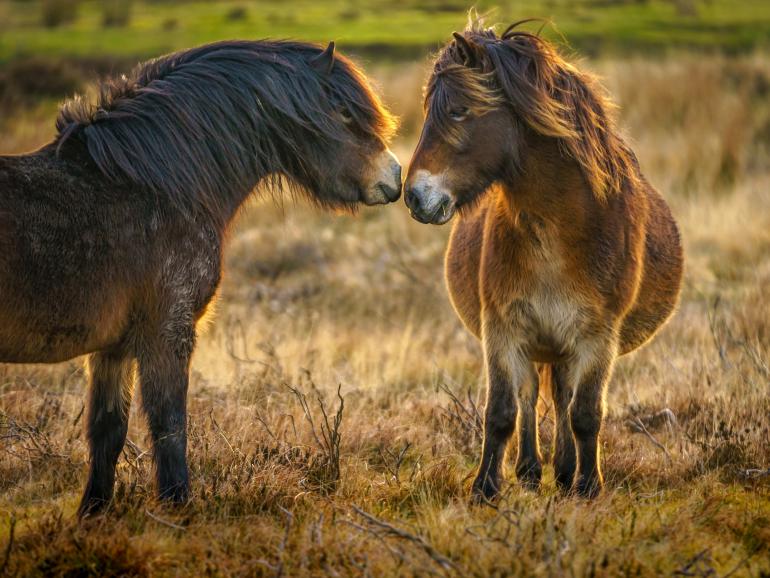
381 28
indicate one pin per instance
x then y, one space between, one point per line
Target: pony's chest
535 298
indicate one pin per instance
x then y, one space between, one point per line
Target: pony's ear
467 50
324 62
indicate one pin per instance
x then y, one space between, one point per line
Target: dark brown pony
111 235
563 256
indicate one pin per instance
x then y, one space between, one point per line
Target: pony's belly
540 352
548 325
50 345
49 331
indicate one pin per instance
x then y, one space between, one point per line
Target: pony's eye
458 114
345 116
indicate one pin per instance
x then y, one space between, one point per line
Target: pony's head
204 126
343 157
487 96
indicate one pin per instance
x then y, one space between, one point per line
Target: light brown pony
563 256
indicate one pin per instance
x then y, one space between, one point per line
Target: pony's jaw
385 180
428 198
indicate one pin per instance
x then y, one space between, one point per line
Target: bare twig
397 554
391 530
284 541
279 566
663 417
31 439
397 459
164 522
713 327
221 433
9 546
79 415
330 437
262 420
698 565
640 427
465 414
140 453
754 474
230 342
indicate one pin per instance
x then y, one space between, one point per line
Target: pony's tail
545 392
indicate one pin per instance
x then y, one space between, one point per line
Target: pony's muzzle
428 203
387 185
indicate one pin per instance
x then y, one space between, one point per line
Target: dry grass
315 302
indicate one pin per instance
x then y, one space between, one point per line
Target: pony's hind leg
586 412
112 377
528 463
564 463
163 376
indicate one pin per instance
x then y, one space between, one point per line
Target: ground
334 402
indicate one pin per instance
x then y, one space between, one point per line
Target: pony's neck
548 184
220 211
231 206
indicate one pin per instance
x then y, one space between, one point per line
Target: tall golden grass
314 302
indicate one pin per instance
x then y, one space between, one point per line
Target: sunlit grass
359 302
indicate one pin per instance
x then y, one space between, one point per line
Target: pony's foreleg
586 412
506 368
564 458
164 376
528 462
112 378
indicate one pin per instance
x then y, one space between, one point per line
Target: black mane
203 124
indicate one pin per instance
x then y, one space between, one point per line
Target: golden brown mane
549 94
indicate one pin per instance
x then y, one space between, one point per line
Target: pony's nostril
390 193
409 197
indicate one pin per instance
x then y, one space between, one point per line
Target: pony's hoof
484 490
90 507
565 479
178 495
564 483
587 488
529 475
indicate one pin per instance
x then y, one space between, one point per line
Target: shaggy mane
553 98
203 124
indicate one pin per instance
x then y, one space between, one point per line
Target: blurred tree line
115 13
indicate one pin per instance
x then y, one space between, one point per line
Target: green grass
379 26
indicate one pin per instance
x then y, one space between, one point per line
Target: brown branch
642 429
164 522
391 530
